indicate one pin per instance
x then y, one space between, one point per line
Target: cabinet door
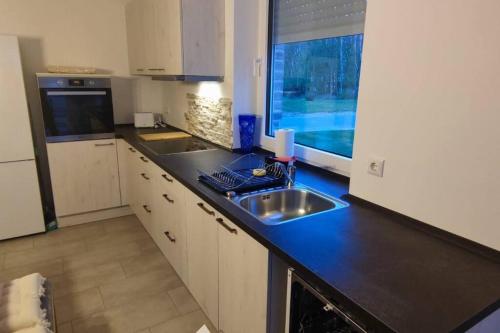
169 219
167 37
203 262
243 280
84 176
123 170
134 14
144 188
21 212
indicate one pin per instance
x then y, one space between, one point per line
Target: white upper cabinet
176 37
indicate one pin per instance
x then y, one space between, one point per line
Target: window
314 64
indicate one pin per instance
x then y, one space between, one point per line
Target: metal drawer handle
146 208
104 144
170 180
167 198
144 159
132 149
228 228
208 211
170 238
156 69
144 176
140 69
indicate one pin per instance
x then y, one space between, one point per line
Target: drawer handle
170 180
156 69
104 144
144 159
228 228
170 238
140 69
146 208
132 149
144 176
208 211
167 198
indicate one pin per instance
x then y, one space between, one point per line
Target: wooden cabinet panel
243 280
122 147
84 176
176 37
169 220
203 257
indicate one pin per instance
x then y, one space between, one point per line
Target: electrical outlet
376 166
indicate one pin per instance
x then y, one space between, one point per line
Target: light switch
376 166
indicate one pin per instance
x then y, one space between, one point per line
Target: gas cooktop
176 146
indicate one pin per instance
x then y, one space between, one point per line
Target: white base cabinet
84 176
224 268
228 270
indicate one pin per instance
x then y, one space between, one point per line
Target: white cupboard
224 268
84 176
243 281
169 220
203 256
228 270
176 37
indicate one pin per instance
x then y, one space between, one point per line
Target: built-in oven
76 108
308 311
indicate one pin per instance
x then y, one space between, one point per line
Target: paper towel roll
283 146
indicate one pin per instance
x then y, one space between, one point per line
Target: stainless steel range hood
187 78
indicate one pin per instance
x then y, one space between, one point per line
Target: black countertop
389 271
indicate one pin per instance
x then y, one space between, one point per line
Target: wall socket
376 166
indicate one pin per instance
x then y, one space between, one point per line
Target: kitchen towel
20 304
284 143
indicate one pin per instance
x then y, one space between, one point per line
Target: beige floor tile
78 305
69 234
136 315
121 223
144 331
81 279
65 328
32 256
147 284
147 261
119 237
16 244
188 323
46 268
103 255
183 300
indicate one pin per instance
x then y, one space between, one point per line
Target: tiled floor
108 276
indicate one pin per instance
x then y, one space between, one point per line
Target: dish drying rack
238 177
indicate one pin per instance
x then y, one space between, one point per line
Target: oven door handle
77 93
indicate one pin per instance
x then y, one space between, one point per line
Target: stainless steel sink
287 204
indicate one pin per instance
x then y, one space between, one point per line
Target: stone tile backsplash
210 119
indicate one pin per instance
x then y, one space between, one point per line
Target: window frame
330 161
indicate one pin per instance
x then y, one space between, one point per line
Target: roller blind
300 20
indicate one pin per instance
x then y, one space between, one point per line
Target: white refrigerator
20 202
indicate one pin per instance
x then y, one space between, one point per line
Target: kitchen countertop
389 271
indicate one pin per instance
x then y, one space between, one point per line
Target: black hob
166 147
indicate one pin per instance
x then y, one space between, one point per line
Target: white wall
429 105
71 32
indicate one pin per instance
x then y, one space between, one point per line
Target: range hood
187 78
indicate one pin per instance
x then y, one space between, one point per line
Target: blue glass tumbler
247 132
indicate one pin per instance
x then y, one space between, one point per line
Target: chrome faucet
291 171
